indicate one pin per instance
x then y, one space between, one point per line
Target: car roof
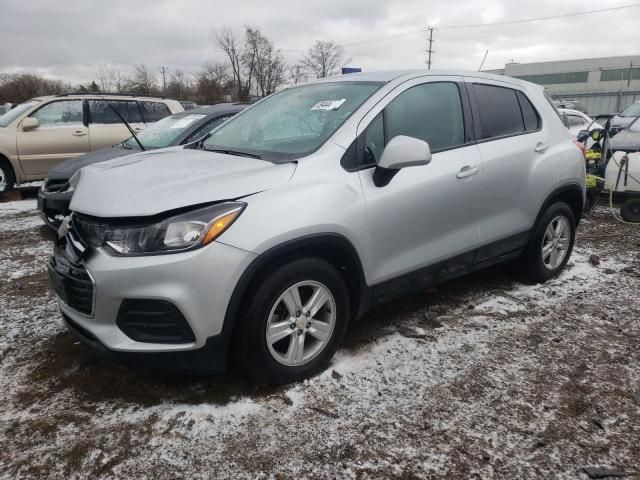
99 96
391 75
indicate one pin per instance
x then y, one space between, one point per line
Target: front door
61 135
427 214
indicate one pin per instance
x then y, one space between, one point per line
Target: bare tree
212 83
143 81
228 43
262 61
297 73
180 86
324 58
17 88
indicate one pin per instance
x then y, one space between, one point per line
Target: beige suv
40 133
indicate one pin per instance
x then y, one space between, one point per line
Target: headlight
179 233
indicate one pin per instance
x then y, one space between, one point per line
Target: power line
538 19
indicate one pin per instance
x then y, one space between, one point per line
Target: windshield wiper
233 152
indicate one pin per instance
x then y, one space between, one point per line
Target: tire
275 362
541 266
630 210
7 177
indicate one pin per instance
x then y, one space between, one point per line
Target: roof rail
120 94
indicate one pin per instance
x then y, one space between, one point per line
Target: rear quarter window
154 111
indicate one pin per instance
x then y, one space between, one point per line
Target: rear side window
154 111
102 114
208 128
499 111
529 114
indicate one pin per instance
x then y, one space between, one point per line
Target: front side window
207 129
11 115
164 132
431 112
499 111
293 122
154 111
64 113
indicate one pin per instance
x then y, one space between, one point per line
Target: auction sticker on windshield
329 104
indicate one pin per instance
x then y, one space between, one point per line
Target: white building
603 85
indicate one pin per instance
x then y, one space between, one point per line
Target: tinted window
154 111
431 112
64 113
102 113
498 110
208 128
529 114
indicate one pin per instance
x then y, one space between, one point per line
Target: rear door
106 128
425 214
62 134
512 144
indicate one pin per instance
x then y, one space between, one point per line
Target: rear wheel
7 177
551 244
294 322
630 210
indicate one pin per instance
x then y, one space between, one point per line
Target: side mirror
400 152
30 123
582 135
403 151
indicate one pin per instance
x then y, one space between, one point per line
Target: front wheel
294 321
7 178
551 243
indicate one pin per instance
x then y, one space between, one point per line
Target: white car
577 121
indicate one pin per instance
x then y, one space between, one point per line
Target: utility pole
630 72
163 70
430 47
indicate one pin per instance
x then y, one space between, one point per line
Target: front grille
153 321
89 230
72 283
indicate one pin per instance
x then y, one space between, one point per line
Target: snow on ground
483 377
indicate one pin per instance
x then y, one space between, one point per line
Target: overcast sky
67 39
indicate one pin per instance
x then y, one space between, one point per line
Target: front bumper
199 283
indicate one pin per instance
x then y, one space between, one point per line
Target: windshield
11 115
634 126
632 110
291 123
162 133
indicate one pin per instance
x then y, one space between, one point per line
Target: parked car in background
570 105
188 105
623 119
307 208
576 121
178 129
627 140
37 135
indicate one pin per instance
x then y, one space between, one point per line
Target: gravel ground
483 377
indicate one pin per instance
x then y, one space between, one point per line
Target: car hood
626 140
149 183
66 169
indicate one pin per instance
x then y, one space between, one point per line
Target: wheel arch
5 160
571 194
332 247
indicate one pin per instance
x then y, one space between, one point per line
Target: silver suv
267 238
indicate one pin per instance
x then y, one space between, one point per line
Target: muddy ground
484 377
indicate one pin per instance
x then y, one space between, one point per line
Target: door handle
79 133
467 171
137 130
540 147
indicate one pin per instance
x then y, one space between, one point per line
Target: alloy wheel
301 323
555 243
